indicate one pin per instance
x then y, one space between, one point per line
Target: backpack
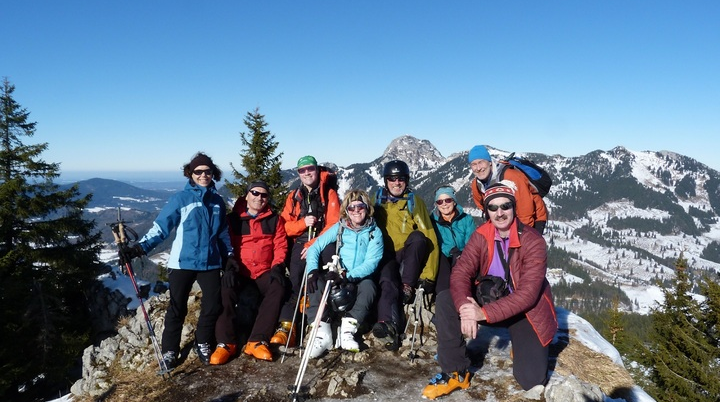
381 195
538 177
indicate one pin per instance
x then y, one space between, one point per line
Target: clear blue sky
143 85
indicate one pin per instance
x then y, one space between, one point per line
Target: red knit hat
504 188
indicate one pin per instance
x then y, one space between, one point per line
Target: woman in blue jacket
359 244
453 228
201 245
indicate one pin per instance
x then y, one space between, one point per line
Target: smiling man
502 251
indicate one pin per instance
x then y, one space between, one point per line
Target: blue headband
445 190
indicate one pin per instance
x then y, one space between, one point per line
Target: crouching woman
359 246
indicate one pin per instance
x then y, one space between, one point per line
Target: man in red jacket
530 207
259 235
515 255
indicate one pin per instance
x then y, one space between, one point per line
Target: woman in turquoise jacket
453 228
201 245
359 244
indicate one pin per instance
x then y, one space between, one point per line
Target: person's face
257 198
308 175
445 204
501 213
396 185
202 175
480 168
357 212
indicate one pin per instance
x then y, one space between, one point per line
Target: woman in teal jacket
201 245
359 244
454 228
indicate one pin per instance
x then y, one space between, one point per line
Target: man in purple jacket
515 255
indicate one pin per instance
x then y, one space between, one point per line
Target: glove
229 278
455 253
277 273
127 253
311 285
540 226
428 286
335 277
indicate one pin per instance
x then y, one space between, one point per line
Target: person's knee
529 377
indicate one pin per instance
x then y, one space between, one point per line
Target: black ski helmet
396 168
342 297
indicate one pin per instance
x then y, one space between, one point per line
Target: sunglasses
259 194
309 169
356 207
504 207
401 179
444 201
199 172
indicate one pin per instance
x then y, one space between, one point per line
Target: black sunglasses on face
444 201
358 207
259 194
504 207
199 172
402 179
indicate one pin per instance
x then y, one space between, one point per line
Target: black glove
277 273
455 253
335 277
229 278
311 285
540 226
427 286
127 253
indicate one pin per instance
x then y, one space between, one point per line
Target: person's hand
127 253
427 286
311 285
310 220
277 272
232 268
229 278
334 276
470 313
303 253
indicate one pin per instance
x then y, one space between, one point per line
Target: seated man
259 234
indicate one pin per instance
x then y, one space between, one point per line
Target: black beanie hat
201 159
259 183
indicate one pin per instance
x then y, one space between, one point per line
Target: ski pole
303 284
118 230
417 318
331 266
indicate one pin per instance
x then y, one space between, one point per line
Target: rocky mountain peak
420 155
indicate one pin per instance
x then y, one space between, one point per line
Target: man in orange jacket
309 211
530 205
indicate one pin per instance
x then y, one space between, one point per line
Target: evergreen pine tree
48 259
680 354
259 160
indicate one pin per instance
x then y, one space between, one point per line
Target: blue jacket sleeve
167 220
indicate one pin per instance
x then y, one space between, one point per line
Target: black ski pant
271 292
364 299
443 276
530 361
397 268
297 271
181 282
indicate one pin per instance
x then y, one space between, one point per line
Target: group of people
356 262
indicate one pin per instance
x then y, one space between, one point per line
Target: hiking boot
322 341
348 328
170 359
223 353
386 332
281 335
259 350
204 351
443 384
408 294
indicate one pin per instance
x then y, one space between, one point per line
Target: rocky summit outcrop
124 367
